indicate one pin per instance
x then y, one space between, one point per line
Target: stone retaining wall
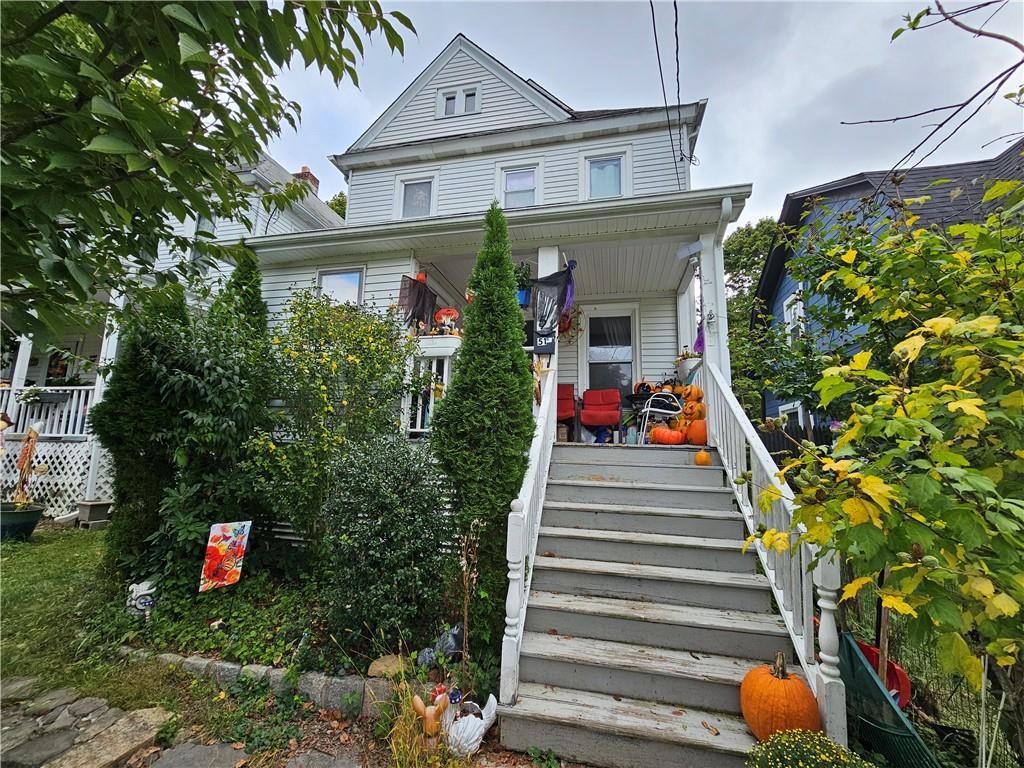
349 694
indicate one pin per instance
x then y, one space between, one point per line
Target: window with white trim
606 174
793 317
416 195
342 286
464 100
519 187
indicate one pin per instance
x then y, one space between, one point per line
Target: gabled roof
941 208
528 89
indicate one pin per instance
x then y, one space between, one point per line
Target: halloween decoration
697 432
465 735
445 319
421 276
702 458
416 299
662 435
643 388
431 716
141 598
693 411
448 647
693 393
552 295
773 700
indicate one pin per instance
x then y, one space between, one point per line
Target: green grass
50 597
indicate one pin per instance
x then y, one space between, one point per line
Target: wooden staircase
643 616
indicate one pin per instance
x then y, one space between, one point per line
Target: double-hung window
793 317
342 286
605 175
416 195
519 187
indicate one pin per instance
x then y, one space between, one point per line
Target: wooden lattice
63 485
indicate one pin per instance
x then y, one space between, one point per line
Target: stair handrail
792 582
523 528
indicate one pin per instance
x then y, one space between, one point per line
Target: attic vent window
464 100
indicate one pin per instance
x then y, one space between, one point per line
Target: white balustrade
434 357
792 581
62 410
523 527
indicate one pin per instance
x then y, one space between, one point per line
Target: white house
640 571
47 385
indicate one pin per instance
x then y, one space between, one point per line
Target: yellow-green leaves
970 407
897 603
861 511
955 656
860 361
939 325
910 348
852 588
877 489
849 257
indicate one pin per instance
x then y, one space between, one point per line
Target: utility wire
683 154
664 97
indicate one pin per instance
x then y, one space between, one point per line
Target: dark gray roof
952 202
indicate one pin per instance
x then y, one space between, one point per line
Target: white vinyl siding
658 347
467 184
382 278
498 106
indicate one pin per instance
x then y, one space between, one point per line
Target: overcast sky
779 78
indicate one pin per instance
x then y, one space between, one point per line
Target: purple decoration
698 345
570 287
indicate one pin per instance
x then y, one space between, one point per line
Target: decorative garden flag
224 552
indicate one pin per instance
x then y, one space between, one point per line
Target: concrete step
649 455
706 553
680 627
683 678
678 496
712 523
710 477
617 732
654 583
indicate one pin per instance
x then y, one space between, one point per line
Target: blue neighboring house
784 297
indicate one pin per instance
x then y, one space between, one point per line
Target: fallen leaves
710 728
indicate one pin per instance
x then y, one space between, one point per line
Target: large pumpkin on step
665 436
773 700
697 432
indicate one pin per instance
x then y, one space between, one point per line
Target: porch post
108 352
19 374
712 288
686 312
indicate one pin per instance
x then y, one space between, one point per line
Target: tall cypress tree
482 428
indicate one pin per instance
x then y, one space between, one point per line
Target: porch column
547 260
19 374
712 288
686 311
108 353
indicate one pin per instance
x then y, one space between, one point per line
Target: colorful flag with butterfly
224 552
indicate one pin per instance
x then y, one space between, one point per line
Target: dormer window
464 100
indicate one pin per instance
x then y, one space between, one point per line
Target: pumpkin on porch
774 700
694 411
693 393
702 458
697 432
663 435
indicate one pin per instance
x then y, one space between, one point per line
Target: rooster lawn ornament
466 734
431 716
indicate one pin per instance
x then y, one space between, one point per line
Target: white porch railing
62 410
791 582
435 357
523 527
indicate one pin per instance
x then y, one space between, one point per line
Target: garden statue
466 734
141 598
444 320
431 716
448 647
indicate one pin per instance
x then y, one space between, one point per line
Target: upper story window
342 286
464 100
415 195
519 184
606 174
793 317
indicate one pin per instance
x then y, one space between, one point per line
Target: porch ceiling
682 215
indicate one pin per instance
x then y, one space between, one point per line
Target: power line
679 98
664 97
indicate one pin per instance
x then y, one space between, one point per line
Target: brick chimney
307 175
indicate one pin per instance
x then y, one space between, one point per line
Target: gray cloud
779 78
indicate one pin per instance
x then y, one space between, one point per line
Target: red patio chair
601 408
566 407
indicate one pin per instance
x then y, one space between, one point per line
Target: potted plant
686 363
522 271
20 516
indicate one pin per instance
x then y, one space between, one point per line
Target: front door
610 349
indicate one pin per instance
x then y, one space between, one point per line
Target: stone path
60 729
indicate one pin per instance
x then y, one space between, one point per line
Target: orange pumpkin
664 436
694 410
702 458
773 700
693 393
697 432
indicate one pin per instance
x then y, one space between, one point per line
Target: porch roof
683 214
